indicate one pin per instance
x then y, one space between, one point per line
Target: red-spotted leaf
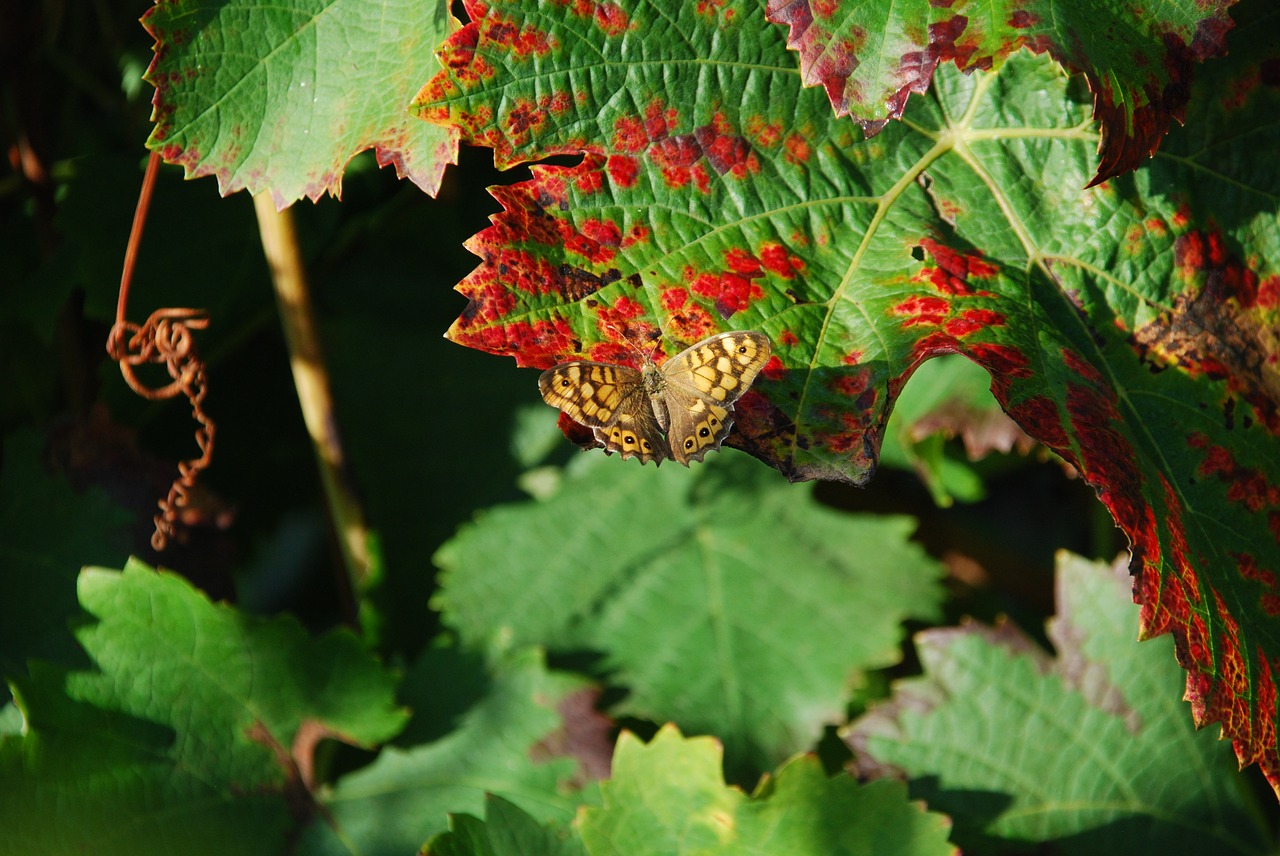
1130 327
278 97
870 57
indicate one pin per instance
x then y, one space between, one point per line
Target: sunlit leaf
278 97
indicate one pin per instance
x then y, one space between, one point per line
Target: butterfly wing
611 400
700 385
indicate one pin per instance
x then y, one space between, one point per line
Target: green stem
280 245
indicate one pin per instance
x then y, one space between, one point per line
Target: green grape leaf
669 798
721 598
505 831
871 57
510 743
1131 327
279 97
48 532
1089 752
195 731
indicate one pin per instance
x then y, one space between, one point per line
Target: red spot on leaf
604 231
623 170
731 292
954 270
1082 367
489 303
1269 293
852 384
778 261
930 311
1108 460
1002 361
773 370
637 234
625 329
522 41
623 354
591 250
727 153
1250 570
624 309
1039 417
611 19
629 134
690 322
589 181
788 339
740 261
1248 487
673 299
675 157
933 345
766 134
710 9
523 118
660 121
798 149
973 320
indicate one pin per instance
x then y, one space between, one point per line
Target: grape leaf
871 57
721 598
1105 758
504 745
505 831
669 798
193 734
279 97
1131 328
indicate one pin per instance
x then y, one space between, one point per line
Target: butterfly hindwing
696 425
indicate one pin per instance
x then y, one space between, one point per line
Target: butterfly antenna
662 333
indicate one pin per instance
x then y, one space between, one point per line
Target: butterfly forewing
720 368
702 383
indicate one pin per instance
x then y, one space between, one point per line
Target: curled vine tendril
164 339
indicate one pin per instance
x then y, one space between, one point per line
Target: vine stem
310 378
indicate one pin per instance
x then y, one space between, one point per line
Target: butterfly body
679 409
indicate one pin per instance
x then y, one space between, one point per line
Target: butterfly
679 409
